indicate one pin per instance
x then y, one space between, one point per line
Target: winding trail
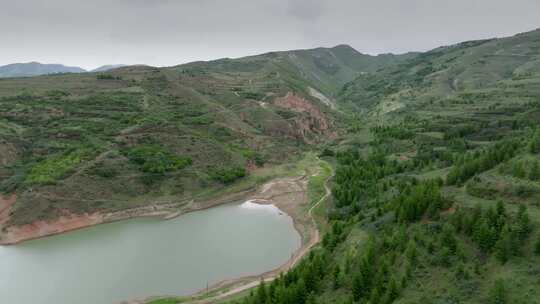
314 240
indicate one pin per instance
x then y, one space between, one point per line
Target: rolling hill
437 185
105 68
137 136
35 68
451 72
436 191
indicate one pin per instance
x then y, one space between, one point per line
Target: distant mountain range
105 68
36 68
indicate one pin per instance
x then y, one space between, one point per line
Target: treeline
416 200
534 143
476 162
494 230
302 283
374 278
357 177
460 131
401 131
524 169
427 155
408 232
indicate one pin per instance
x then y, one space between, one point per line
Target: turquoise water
143 257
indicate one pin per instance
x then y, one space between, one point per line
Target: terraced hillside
452 76
139 136
436 192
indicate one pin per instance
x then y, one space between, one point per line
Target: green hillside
436 193
451 73
436 197
141 135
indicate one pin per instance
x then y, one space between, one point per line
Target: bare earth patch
38 229
5 206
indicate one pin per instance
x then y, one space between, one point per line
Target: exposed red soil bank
16 234
38 229
5 206
314 122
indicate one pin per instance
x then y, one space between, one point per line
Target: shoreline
289 195
237 285
161 211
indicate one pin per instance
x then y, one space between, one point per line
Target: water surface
109 263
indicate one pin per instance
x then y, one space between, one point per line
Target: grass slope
436 194
76 143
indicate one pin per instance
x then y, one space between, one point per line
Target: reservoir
109 263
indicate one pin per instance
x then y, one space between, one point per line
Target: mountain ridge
34 68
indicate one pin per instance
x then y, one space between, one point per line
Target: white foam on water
253 205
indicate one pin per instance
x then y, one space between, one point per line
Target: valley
407 178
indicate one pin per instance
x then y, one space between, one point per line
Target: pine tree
503 246
311 299
497 294
501 210
336 276
518 170
411 252
375 296
448 238
392 291
524 223
534 144
515 243
537 245
444 256
261 293
484 236
358 286
534 173
301 292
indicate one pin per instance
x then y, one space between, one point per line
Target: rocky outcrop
312 125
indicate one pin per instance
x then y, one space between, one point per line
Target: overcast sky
90 33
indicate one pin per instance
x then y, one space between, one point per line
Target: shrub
54 168
228 175
105 172
537 246
153 159
107 77
327 152
497 294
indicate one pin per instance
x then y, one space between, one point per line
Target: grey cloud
168 32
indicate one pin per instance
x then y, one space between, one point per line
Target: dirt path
272 275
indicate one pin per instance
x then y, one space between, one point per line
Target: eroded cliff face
312 125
